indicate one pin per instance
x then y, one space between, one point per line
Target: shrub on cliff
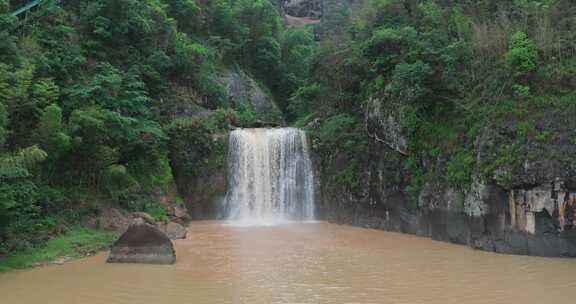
522 56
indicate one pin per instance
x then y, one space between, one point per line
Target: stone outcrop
384 126
173 230
178 214
242 89
142 243
145 217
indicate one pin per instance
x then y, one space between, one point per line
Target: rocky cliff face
244 90
197 146
199 170
526 207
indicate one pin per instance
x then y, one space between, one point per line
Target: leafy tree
44 92
50 132
188 55
187 14
19 209
522 56
411 82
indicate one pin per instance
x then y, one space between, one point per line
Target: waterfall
270 178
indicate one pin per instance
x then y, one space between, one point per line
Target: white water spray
270 178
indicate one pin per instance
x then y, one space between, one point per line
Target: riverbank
74 244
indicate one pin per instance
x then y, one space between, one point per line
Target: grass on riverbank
76 243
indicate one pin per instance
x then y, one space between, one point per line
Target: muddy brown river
301 263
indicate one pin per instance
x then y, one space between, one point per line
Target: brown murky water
305 263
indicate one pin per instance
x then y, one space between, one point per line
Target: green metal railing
26 8
27 13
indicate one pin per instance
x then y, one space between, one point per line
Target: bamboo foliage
17 165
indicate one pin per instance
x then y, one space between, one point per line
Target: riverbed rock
174 230
178 214
144 216
142 244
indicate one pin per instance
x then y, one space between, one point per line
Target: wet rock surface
142 243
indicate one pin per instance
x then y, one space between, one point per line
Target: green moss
75 243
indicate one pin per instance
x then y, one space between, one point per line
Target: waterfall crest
270 177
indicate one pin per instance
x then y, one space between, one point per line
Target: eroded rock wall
531 212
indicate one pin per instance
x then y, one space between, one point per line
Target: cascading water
270 178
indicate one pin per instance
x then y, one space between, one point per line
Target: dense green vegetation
92 91
446 70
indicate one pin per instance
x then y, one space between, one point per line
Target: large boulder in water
142 244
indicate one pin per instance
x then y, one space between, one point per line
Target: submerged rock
142 244
178 214
145 216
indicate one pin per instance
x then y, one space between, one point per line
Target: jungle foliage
94 94
446 69
92 91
